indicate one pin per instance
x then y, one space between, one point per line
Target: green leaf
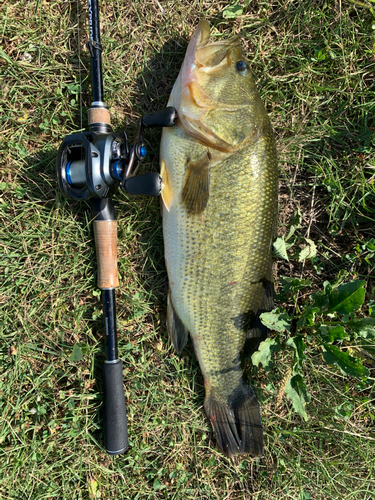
264 353
276 321
297 392
279 248
347 298
320 300
293 284
309 252
341 276
20 192
232 11
6 58
76 354
332 333
365 327
308 316
327 287
157 484
74 88
370 245
299 346
295 223
346 363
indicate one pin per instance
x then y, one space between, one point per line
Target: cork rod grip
106 253
99 115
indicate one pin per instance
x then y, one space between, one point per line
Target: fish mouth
215 57
190 99
208 56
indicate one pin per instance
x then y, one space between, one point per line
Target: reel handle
150 184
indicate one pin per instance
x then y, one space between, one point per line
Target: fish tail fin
237 424
176 329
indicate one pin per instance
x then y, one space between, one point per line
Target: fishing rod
92 165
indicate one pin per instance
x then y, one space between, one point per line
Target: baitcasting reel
94 164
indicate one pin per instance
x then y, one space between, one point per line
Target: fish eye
241 66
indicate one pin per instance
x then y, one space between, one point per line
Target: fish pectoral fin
237 424
166 194
195 191
178 333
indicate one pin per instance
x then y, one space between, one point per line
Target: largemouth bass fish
219 169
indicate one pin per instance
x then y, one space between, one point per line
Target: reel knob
150 184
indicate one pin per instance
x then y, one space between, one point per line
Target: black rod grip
114 415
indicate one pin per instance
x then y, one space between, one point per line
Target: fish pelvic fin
237 423
196 188
178 333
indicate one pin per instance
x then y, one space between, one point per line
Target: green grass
314 64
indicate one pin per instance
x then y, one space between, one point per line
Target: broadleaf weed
330 320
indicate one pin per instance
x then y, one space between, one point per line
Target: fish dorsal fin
195 191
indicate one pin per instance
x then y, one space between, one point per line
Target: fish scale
219 220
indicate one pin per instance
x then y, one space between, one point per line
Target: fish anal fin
178 333
269 292
236 423
250 321
196 187
256 331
